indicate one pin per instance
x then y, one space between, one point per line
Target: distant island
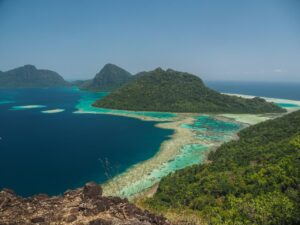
109 78
172 91
29 76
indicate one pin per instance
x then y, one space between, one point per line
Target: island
109 78
172 91
29 76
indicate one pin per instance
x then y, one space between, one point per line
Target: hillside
172 91
29 76
109 78
254 180
81 206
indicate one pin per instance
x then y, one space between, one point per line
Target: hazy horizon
216 40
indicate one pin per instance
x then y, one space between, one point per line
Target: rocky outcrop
83 206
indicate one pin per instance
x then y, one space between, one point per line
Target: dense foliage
254 180
109 78
29 76
172 91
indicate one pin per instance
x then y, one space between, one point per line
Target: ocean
59 150
273 90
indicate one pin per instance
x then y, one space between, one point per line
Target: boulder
92 190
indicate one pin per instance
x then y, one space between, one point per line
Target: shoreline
169 149
142 179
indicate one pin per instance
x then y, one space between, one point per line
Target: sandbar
50 111
24 107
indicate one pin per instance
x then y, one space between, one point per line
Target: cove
52 152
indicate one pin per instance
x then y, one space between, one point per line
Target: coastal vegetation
109 78
29 76
253 180
173 91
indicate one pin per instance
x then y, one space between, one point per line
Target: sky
243 40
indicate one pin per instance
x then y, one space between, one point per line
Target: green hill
172 91
109 78
29 76
254 180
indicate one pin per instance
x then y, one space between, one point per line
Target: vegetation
172 91
254 180
109 78
29 76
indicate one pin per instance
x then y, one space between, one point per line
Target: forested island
29 76
253 180
108 78
172 91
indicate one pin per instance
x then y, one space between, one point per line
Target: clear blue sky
215 39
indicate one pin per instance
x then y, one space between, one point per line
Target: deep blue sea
274 90
50 153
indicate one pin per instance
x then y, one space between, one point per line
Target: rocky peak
83 206
159 70
28 66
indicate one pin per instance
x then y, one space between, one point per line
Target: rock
71 218
41 196
92 190
100 222
38 220
102 206
74 210
82 206
10 191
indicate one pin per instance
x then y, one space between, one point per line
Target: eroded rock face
83 206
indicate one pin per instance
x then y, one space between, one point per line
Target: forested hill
29 76
172 91
254 180
109 78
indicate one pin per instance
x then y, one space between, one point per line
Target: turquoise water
211 129
287 105
52 152
189 155
88 98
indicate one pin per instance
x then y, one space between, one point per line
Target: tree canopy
253 180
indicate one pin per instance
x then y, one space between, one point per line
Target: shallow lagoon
87 99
